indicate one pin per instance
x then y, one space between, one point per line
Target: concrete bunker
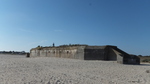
85 52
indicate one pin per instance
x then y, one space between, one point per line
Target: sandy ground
17 69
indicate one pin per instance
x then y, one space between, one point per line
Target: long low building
85 52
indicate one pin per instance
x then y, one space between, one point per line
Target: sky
25 24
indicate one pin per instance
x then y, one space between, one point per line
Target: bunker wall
111 54
94 54
67 52
119 56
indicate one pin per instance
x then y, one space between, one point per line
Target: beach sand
17 69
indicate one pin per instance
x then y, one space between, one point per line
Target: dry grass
145 59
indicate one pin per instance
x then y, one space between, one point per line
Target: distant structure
13 52
85 52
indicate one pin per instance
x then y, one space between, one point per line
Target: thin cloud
37 43
24 30
58 30
43 41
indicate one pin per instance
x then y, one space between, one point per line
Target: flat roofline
74 46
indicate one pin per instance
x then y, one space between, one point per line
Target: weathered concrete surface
86 53
76 52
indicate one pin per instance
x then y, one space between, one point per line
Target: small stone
147 71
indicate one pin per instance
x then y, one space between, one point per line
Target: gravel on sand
17 69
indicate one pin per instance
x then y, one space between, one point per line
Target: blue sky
25 24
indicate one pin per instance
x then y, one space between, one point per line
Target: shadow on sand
141 64
144 65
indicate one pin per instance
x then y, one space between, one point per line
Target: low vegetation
39 47
144 58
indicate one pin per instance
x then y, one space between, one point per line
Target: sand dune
17 69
